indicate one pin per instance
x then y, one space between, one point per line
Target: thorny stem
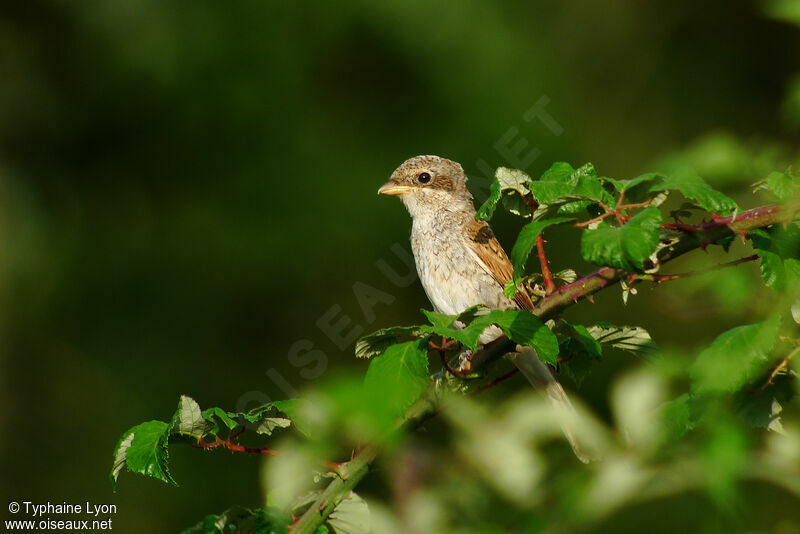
231 446
696 236
619 212
549 285
348 475
658 278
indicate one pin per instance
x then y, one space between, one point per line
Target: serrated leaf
144 450
693 187
527 240
520 326
556 182
784 186
440 320
120 454
513 179
567 190
351 516
188 419
511 185
216 416
625 247
525 328
375 343
735 358
623 185
398 377
779 250
486 211
632 339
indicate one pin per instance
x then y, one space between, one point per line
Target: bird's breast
451 277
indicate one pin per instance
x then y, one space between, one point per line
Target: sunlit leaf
144 450
633 339
188 419
626 247
695 188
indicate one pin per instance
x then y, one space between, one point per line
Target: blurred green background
188 187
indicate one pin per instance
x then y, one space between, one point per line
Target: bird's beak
391 188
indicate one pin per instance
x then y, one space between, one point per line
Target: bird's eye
424 178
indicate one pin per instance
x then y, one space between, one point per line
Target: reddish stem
494 382
549 285
658 278
235 447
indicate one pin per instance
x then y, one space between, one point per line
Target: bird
461 264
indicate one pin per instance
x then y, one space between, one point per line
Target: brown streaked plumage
461 263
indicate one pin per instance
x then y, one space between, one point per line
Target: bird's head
428 183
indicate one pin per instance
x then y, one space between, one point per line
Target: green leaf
241 519
556 182
216 416
773 272
762 408
695 188
398 377
633 339
376 343
523 327
440 320
120 457
520 326
779 250
676 419
783 185
351 516
625 247
512 186
143 449
526 241
623 185
735 358
486 211
188 419
580 351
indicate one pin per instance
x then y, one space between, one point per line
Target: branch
658 278
695 236
549 285
231 446
349 474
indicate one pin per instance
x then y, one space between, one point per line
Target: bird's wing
484 246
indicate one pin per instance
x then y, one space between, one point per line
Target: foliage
743 378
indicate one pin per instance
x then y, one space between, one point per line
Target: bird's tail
539 375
